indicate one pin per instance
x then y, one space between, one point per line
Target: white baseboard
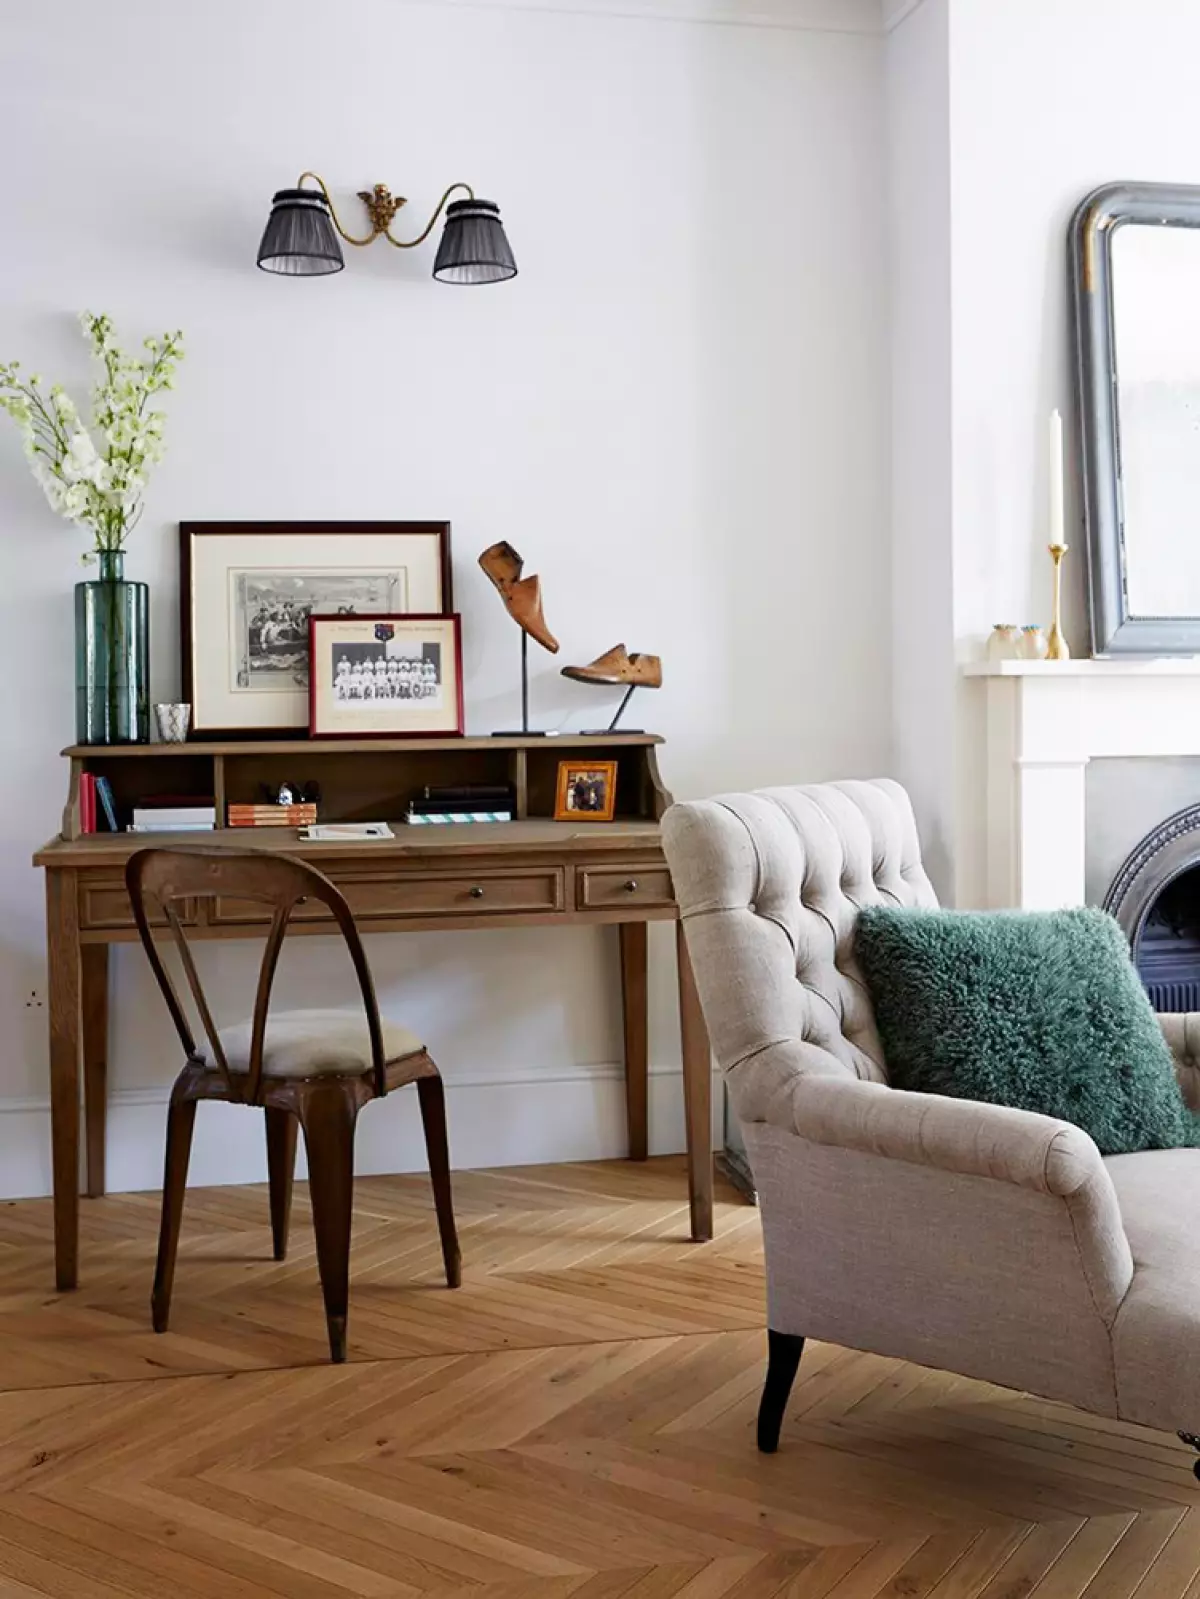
576 1113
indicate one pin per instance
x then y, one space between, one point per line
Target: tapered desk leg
94 971
697 1095
635 1013
64 998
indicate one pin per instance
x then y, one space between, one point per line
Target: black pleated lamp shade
474 248
299 238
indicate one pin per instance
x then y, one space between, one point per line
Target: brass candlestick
1057 647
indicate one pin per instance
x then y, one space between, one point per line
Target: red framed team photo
385 677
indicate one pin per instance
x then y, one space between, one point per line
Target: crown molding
859 17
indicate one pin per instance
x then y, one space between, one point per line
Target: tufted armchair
970 1237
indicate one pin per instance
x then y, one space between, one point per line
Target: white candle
1057 535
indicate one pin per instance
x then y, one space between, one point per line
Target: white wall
1047 102
677 413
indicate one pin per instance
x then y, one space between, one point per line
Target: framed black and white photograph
249 589
385 676
587 791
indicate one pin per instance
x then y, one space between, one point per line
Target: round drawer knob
476 891
630 885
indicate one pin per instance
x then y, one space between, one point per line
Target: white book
171 827
175 815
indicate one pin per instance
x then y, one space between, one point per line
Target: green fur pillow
1042 1010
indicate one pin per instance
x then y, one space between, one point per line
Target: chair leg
328 1117
1193 1442
783 1359
181 1118
432 1096
281 1164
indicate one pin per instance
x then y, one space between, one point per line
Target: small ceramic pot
1033 643
1005 642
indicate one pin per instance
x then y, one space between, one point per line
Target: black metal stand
524 731
595 732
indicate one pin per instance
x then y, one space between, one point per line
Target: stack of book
174 813
467 802
271 815
97 807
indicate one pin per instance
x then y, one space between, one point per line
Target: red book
87 803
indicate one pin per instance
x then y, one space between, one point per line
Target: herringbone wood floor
577 1420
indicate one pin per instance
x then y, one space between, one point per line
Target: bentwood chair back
313 1069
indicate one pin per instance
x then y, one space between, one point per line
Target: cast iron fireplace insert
1156 898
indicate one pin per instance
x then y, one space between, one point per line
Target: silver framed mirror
1135 277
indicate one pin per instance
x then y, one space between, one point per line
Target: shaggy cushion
1041 1010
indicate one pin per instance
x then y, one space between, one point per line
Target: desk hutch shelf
366 780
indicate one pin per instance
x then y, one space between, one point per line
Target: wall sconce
301 236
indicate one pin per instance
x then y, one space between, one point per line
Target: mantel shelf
1157 666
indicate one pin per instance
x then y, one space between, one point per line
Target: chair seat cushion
1038 1010
313 1043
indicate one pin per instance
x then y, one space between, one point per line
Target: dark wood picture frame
453 620
564 814
190 531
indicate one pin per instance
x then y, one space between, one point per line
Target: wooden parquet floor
576 1422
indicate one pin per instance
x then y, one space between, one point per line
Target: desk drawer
106 905
487 893
607 887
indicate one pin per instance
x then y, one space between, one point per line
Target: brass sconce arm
382 206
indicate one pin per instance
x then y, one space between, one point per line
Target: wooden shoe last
618 666
522 596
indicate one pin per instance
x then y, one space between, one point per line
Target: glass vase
112 656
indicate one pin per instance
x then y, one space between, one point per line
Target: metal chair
315 1069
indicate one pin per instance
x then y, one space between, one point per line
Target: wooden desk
527 873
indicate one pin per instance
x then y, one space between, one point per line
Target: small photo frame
587 791
385 677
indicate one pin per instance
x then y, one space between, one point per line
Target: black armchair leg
1194 1441
783 1360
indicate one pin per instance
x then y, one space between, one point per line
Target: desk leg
94 969
635 1012
697 1095
63 983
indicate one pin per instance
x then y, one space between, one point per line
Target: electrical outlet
35 999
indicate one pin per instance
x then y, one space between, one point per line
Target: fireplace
1155 896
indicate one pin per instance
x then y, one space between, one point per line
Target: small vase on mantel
1033 643
1005 642
112 656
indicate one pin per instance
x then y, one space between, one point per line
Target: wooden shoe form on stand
522 598
617 666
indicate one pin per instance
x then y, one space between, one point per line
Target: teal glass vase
112 656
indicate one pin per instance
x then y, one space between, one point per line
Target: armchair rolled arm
953 1135
782 1085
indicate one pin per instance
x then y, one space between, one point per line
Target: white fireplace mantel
1045 721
